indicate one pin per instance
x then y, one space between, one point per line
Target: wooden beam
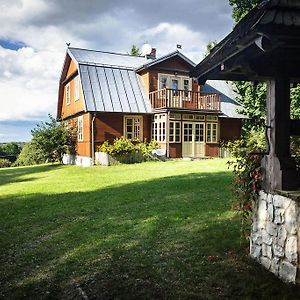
279 168
295 127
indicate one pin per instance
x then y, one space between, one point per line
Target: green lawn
146 231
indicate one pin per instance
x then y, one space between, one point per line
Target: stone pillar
279 168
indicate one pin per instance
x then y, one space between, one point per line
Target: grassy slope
153 230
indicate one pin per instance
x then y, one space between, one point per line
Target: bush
30 155
247 173
295 150
126 151
4 163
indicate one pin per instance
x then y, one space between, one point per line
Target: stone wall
274 240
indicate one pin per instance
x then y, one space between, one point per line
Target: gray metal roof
150 63
229 107
86 56
108 89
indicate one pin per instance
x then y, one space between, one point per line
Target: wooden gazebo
265 46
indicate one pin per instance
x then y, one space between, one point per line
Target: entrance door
193 139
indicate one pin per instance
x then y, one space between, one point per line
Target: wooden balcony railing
168 98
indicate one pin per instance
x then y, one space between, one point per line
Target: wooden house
109 95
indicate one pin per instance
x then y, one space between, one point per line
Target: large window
175 132
134 128
68 94
163 82
80 128
159 128
175 82
76 87
211 132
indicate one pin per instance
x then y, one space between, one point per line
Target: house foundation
275 234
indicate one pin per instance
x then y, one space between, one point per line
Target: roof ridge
106 52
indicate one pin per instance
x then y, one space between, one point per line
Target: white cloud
29 76
168 35
28 83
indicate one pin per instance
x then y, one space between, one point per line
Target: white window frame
212 118
180 79
133 118
173 138
68 93
175 116
209 137
159 128
80 128
76 88
188 117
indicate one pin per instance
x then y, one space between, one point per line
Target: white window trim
211 130
180 79
174 134
68 93
76 88
160 123
141 125
80 125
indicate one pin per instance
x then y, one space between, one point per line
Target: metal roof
86 56
229 107
165 57
109 89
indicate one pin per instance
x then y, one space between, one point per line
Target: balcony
182 99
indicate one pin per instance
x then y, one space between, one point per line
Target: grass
145 231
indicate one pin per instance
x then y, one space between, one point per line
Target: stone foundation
275 235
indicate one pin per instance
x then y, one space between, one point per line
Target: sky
34 33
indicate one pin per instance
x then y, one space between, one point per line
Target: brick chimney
152 55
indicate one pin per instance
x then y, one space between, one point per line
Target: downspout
93 140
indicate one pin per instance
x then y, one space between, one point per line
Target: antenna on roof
68 44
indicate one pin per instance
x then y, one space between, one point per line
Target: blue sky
34 33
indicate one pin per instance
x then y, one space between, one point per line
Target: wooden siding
75 106
145 80
230 129
175 64
175 150
72 69
212 150
83 147
109 126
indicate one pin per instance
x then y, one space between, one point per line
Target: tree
30 155
242 7
210 46
135 51
54 139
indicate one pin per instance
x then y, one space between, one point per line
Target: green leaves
50 140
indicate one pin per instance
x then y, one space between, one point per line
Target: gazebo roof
266 41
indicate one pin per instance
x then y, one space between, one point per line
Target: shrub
125 151
4 163
247 174
30 155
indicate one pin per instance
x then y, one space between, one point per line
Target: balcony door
193 138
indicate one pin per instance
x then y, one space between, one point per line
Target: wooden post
279 168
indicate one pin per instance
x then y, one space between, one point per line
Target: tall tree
135 51
242 7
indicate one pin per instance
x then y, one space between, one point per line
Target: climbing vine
246 165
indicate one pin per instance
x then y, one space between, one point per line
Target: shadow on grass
18 174
168 238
